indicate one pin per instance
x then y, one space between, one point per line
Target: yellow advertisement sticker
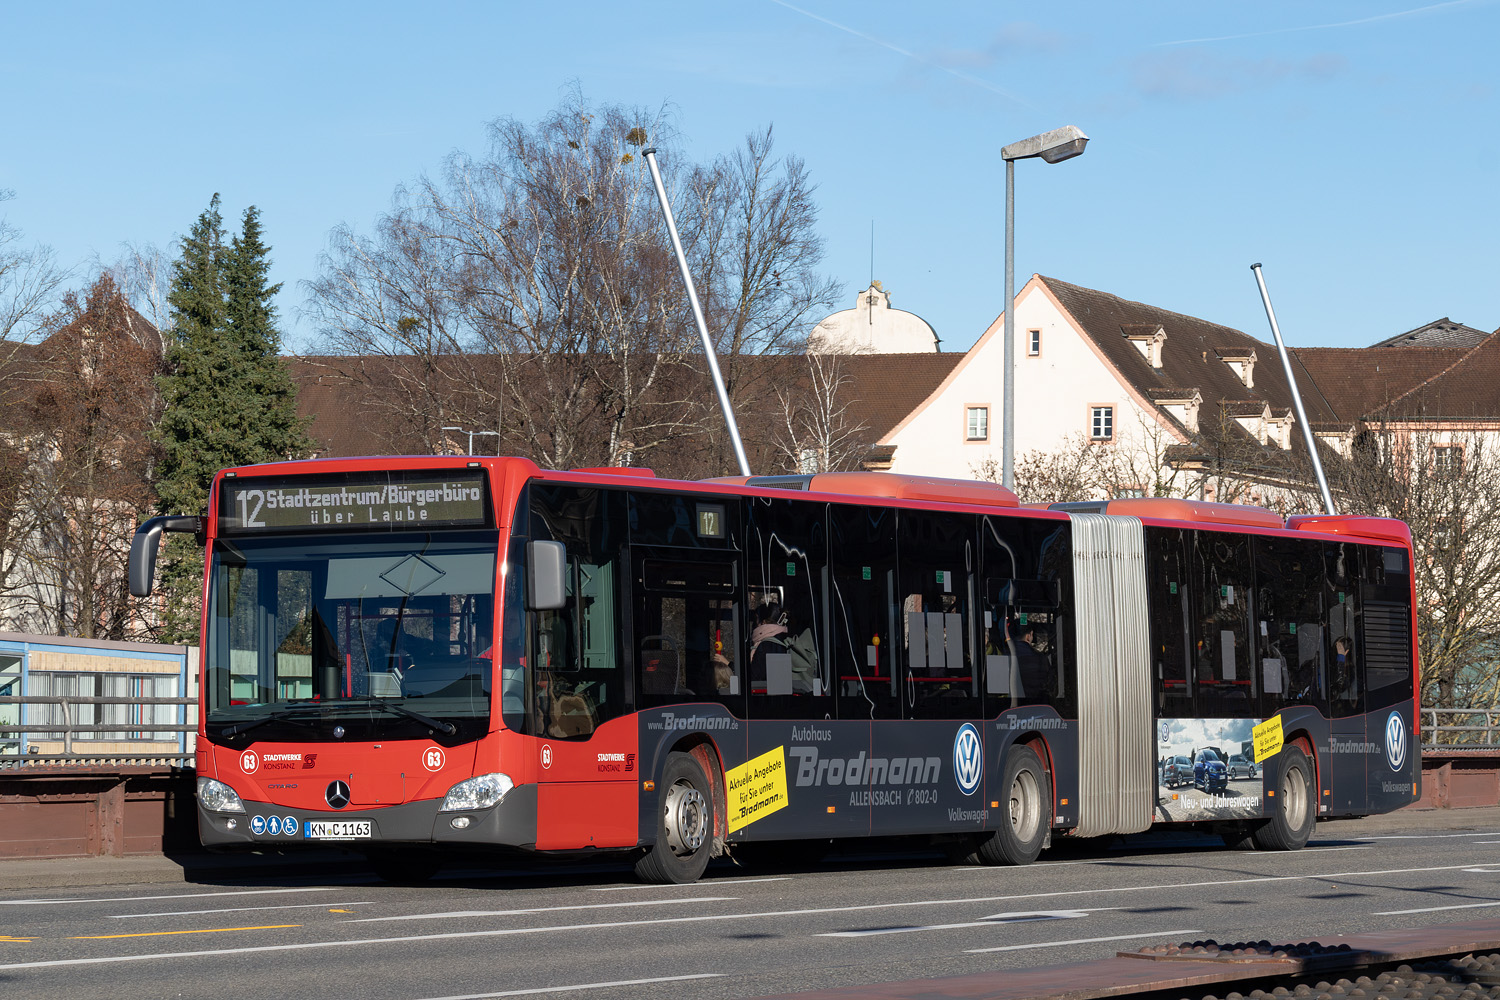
756 788
1268 738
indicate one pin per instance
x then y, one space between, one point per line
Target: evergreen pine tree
229 399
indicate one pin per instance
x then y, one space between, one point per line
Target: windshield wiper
415 716
282 715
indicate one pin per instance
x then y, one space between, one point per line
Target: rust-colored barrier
1459 779
67 811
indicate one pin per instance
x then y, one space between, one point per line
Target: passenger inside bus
1034 669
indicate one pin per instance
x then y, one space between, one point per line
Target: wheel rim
686 818
1293 797
1025 811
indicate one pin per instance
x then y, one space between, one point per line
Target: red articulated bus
414 656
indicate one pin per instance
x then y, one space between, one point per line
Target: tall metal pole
1008 406
1291 380
708 347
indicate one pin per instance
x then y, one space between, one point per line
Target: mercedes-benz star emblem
337 795
338 732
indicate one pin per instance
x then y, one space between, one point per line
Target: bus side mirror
147 542
546 572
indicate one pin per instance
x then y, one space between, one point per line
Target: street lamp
1054 147
472 435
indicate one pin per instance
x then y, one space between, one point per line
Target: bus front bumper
509 823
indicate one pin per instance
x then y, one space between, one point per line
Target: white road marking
703 917
543 909
1487 841
1431 836
1020 917
1325 850
1435 909
707 884
1059 944
180 895
235 909
582 986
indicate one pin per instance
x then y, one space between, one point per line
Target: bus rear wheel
1293 815
1023 828
684 825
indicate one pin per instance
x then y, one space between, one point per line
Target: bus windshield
360 637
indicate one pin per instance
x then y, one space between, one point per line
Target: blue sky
1351 147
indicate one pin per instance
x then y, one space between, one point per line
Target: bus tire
684 825
1291 820
1023 828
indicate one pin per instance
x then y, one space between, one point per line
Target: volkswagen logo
968 759
337 795
1395 741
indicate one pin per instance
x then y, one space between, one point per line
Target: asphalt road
856 918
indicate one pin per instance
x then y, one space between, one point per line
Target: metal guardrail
1465 728
69 728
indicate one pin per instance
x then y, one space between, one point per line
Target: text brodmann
857 770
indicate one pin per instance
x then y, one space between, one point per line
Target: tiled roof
1439 333
1414 383
342 394
1191 356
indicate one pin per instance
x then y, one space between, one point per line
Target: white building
873 327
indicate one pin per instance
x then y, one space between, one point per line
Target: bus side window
577 680
1226 685
862 541
1386 626
1167 566
1340 602
1289 623
686 626
786 566
937 578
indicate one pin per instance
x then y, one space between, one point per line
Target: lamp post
472 435
1054 147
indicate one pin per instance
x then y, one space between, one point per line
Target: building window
1128 493
134 721
1102 423
977 425
1448 459
1033 343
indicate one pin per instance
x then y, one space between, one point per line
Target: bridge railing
1460 728
68 728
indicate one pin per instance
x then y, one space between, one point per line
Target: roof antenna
708 347
1291 380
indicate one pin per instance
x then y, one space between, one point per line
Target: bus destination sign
391 502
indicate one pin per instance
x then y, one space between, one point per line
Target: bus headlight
219 797
477 793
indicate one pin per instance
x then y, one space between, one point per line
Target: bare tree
86 457
29 280
817 431
757 256
533 291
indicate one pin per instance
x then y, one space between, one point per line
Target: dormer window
1148 338
1241 361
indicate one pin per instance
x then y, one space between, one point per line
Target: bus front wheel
1294 812
1023 828
684 825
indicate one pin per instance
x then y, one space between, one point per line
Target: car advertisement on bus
1206 769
